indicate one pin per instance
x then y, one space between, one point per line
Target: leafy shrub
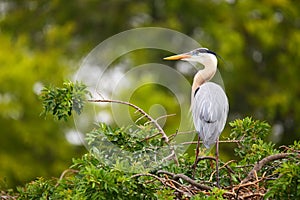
61 101
262 170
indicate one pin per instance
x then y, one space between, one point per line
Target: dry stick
175 188
289 149
247 184
165 116
264 161
230 170
186 132
173 181
213 158
205 158
181 133
252 195
191 181
154 135
161 131
171 137
201 158
186 178
64 174
221 141
162 180
136 121
224 166
151 175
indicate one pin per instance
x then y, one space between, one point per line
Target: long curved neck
210 68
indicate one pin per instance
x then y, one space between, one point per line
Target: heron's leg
217 163
197 154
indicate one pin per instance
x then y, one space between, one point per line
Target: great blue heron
209 104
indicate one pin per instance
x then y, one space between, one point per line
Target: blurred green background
43 42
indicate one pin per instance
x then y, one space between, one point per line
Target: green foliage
30 145
43 41
127 148
287 185
117 166
61 101
38 189
127 138
90 177
251 134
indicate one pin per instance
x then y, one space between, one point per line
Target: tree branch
64 174
203 158
161 131
263 162
185 178
220 141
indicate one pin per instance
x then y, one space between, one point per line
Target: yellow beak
177 57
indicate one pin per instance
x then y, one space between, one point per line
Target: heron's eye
201 50
196 52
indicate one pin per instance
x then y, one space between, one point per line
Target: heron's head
201 55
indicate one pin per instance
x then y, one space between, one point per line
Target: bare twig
191 181
242 185
171 137
186 132
175 188
161 131
243 166
289 149
151 175
203 158
230 171
263 162
172 182
64 174
4 196
136 121
165 172
166 182
151 136
154 135
224 166
165 116
220 141
249 196
185 178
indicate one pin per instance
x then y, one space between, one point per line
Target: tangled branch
250 187
263 162
161 131
185 178
245 189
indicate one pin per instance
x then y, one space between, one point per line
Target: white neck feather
210 63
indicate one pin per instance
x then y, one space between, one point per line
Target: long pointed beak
177 57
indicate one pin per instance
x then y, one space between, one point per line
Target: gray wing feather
209 109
